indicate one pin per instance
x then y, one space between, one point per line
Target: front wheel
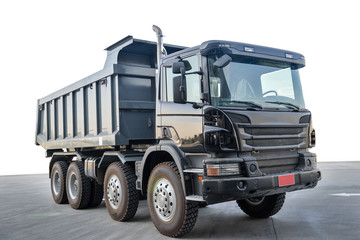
262 207
171 214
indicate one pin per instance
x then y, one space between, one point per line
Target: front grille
278 165
273 142
272 137
273 130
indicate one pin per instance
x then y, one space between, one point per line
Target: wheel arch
158 154
63 156
107 159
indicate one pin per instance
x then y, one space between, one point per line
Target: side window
192 81
169 84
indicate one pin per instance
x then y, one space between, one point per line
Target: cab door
182 123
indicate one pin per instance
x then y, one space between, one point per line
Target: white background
47 45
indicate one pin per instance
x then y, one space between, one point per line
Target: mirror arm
182 88
197 105
197 72
204 96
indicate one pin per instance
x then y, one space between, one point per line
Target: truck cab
236 112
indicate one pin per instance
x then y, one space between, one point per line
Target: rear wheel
97 194
58 180
262 207
170 212
121 196
78 186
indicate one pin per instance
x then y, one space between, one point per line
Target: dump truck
183 128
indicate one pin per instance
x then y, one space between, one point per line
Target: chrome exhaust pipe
160 45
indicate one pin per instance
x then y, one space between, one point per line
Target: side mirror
177 67
223 61
179 89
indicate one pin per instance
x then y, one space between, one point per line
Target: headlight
222 169
219 140
312 136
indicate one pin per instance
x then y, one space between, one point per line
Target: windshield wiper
289 105
245 102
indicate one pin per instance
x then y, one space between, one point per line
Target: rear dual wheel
97 194
58 179
78 186
70 184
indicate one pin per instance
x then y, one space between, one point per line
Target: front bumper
216 190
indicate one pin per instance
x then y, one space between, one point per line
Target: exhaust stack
161 52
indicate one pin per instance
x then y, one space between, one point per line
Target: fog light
241 185
252 167
319 175
308 162
222 169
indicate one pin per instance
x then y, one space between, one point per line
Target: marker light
249 49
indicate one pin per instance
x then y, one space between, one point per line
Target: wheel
97 194
171 214
58 179
262 207
78 186
121 196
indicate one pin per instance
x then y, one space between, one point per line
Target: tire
78 186
58 180
171 214
97 194
262 207
121 196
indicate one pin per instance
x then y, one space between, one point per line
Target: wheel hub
56 183
74 186
114 191
164 199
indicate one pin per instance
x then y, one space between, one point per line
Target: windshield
256 83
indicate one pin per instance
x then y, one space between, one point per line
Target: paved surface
27 211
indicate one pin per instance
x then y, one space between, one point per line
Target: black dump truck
181 127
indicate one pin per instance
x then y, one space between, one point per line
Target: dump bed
112 107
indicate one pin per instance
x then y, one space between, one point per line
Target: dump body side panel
109 108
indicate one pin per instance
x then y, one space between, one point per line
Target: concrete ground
330 211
